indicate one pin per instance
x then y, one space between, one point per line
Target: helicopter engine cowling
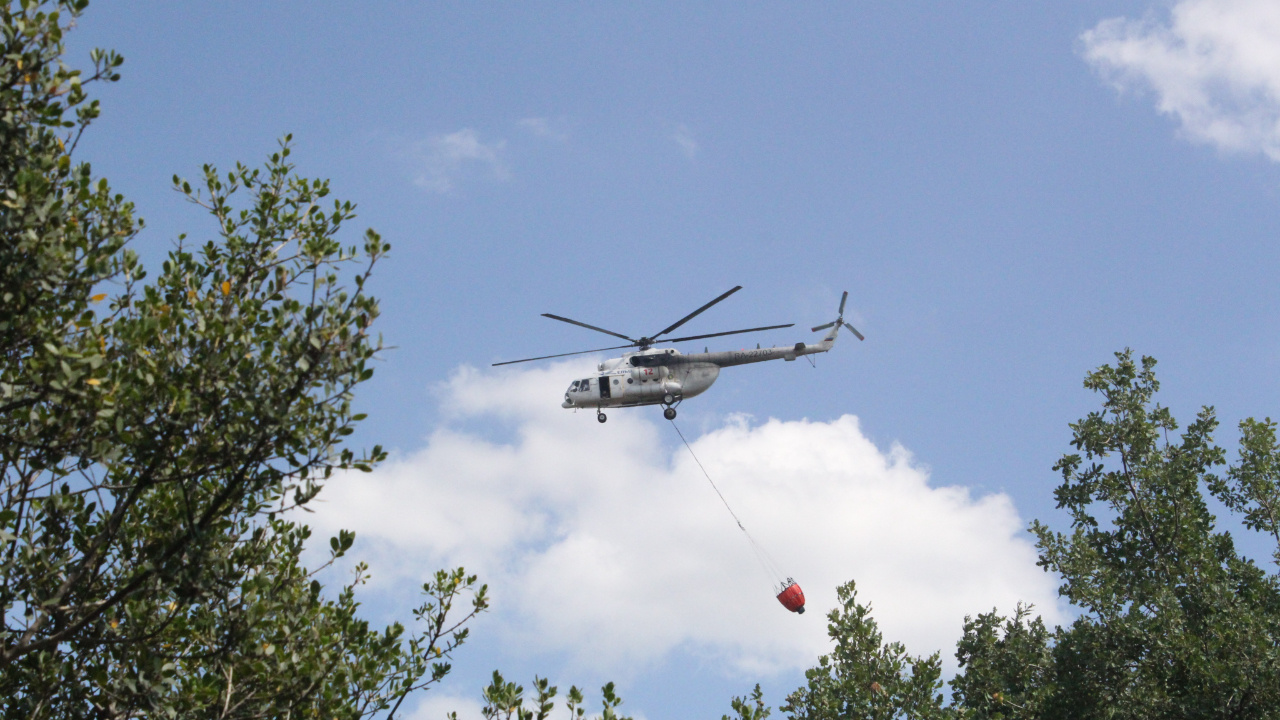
651 374
684 380
651 383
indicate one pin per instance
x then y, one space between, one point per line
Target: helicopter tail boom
778 352
784 352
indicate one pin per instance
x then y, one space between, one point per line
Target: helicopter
665 376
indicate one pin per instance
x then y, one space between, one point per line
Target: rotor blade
589 327
731 332
823 327
842 299
695 313
854 330
544 357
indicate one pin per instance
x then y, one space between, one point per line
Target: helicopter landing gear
601 417
669 403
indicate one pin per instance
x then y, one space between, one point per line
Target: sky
1009 192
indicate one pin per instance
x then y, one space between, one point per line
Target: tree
1006 667
863 677
1174 621
152 450
751 707
505 700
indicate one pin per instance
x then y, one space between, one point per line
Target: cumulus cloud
443 159
684 138
1212 64
606 543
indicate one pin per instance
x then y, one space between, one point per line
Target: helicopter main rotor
644 343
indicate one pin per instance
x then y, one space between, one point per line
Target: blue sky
1010 192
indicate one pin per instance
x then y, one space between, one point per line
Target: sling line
767 563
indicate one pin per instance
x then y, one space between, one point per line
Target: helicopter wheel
668 399
669 413
601 417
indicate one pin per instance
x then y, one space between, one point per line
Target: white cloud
436 705
605 542
684 138
548 128
1214 65
445 158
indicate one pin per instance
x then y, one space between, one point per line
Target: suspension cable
767 563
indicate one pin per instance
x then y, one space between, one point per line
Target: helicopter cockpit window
574 387
584 384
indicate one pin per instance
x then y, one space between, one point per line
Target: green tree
751 707
1175 621
863 677
505 700
1006 667
154 436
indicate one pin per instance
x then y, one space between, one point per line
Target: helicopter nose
567 402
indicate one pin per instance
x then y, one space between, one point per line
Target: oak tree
1174 620
156 434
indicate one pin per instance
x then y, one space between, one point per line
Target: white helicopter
665 376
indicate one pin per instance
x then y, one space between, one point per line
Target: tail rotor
840 320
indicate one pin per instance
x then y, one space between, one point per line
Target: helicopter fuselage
665 376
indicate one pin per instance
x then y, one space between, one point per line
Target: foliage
1006 667
751 707
863 677
1252 488
1174 622
506 701
150 451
